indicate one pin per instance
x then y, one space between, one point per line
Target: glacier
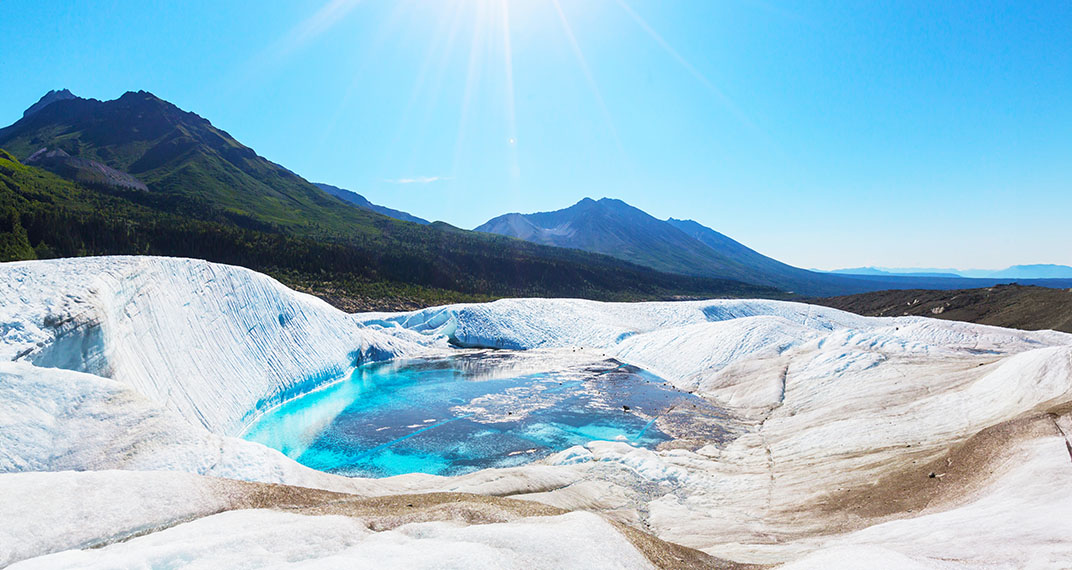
126 383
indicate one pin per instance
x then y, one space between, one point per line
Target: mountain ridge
48 99
205 185
875 271
1027 271
211 197
616 228
686 247
362 202
610 226
176 152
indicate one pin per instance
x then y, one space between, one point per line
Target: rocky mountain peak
48 99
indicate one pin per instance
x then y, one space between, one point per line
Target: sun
481 31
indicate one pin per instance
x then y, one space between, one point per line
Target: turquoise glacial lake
457 414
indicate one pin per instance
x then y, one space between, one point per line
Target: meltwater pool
465 412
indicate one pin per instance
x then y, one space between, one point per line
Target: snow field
138 372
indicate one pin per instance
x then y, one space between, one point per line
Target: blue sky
825 134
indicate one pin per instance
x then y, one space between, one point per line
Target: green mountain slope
179 153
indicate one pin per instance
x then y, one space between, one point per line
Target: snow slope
267 538
190 521
1016 522
816 392
59 420
211 342
131 375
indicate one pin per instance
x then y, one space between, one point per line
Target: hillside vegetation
1014 306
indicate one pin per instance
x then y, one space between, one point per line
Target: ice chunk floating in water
461 413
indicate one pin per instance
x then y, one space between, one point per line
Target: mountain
615 228
679 246
1041 271
860 271
183 156
874 271
361 202
686 247
210 197
772 270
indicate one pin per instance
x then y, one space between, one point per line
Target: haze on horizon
823 134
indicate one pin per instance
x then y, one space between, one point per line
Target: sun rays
724 99
474 68
321 21
470 55
591 80
511 103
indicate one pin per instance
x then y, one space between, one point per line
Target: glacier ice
125 381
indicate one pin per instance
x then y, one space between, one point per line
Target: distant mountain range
876 272
678 246
1037 271
684 246
361 202
138 175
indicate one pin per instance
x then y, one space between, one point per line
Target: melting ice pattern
463 413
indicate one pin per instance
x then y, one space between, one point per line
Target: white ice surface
824 391
167 359
263 538
683 341
58 420
1019 521
47 512
208 341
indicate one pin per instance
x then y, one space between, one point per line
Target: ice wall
211 342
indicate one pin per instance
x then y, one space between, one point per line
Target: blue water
458 414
